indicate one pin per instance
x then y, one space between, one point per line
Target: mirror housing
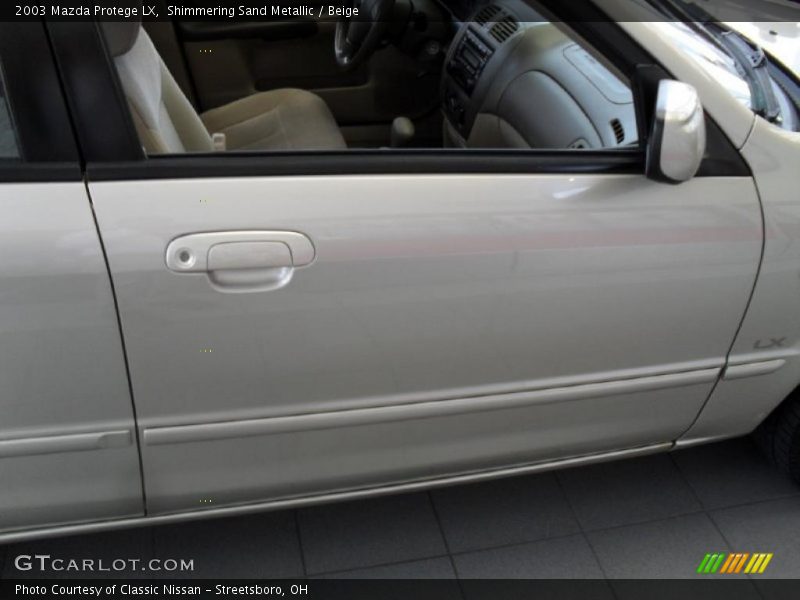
677 139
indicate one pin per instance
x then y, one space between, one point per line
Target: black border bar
313 10
709 588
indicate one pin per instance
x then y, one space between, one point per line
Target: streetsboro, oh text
168 590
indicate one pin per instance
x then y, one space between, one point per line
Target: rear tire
764 435
779 437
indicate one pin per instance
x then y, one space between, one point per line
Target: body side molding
55 444
752 369
419 410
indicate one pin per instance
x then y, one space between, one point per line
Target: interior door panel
445 324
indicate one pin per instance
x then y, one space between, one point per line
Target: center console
468 60
474 52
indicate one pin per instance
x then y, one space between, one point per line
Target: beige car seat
284 119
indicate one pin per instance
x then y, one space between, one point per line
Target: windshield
781 39
733 59
707 53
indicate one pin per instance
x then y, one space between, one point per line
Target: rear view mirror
677 139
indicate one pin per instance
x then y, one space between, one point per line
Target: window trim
369 162
99 110
121 157
45 138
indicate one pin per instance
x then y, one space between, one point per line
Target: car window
8 136
501 78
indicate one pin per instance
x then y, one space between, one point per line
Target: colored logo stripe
710 563
758 563
729 563
703 563
734 563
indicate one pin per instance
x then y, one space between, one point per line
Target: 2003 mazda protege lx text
255 264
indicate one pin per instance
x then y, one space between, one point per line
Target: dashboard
514 80
462 10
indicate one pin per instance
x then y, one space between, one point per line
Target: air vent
619 130
504 28
486 14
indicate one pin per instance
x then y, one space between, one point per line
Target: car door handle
241 261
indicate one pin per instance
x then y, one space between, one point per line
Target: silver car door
445 323
68 449
299 324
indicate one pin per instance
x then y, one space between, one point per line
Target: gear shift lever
402 132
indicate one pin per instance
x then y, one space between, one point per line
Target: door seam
122 346
746 307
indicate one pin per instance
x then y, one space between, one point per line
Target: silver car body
449 328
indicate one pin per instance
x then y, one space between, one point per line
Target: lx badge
772 343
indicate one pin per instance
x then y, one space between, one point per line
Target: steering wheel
357 36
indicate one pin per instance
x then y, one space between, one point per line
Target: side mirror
677 140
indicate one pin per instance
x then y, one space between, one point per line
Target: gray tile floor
650 517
